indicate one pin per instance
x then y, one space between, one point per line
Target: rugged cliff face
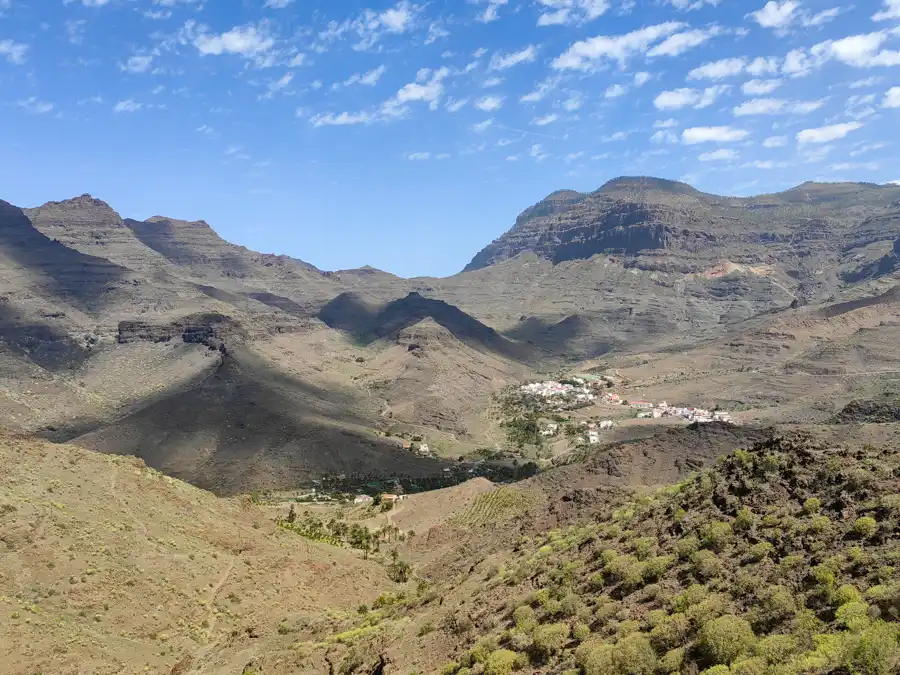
670 226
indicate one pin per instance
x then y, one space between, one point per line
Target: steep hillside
108 566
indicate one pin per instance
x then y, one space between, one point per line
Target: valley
647 430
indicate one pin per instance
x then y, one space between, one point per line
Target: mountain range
238 370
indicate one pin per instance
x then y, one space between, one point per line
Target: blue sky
407 135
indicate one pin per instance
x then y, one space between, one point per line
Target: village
578 392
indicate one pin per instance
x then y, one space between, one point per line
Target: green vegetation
781 560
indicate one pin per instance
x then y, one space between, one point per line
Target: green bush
845 594
690 596
714 606
865 527
524 618
706 565
819 524
627 570
656 566
672 661
670 632
744 519
876 652
686 546
716 535
812 505
550 638
502 662
854 616
717 670
595 658
725 638
450 668
778 604
760 551
581 632
644 547
634 656
775 649
751 666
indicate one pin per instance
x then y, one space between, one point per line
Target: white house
363 499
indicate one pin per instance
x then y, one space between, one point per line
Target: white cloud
427 88
492 82
341 119
665 124
278 4
664 136
720 155
537 151
568 12
696 135
679 43
766 164
582 55
33 105
127 106
641 78
828 133
503 61
489 103
443 155
541 90
859 51
573 103
418 156
775 142
823 17
137 64
684 98
371 26
455 105
760 87
74 28
777 15
13 51
491 11
759 106
617 136
483 126
206 130
892 98
891 11
763 65
718 70
855 166
436 32
865 83
368 79
572 156
248 41
615 91
861 149
545 120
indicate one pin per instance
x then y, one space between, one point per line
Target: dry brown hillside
107 566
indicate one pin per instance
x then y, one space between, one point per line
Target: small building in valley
363 499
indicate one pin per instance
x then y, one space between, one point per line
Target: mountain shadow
350 313
85 281
243 427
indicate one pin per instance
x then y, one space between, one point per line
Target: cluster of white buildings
580 392
689 413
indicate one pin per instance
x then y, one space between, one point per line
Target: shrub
776 649
876 652
865 527
627 570
725 638
760 551
581 632
450 668
706 565
845 594
672 661
542 597
686 546
853 616
812 505
717 670
655 567
716 535
634 656
819 524
714 606
595 658
524 619
644 547
549 639
778 604
744 519
502 662
690 596
570 605
670 632
751 666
